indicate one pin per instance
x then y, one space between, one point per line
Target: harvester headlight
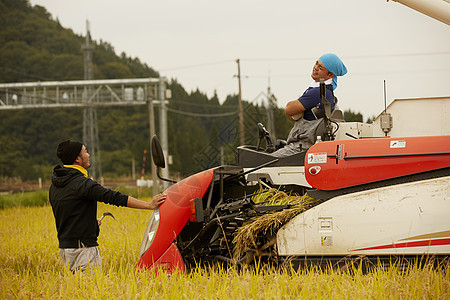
150 232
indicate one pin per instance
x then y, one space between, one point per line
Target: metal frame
90 94
67 94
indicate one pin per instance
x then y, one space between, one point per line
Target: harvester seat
250 157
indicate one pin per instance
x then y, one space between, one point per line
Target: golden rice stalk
268 224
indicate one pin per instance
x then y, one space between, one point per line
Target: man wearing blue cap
301 137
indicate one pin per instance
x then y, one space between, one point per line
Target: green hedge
36 198
40 197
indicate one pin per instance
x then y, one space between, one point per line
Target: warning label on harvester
317 158
398 144
326 241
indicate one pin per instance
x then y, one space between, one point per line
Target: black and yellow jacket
74 203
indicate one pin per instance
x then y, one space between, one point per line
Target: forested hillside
35 47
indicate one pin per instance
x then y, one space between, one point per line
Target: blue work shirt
311 98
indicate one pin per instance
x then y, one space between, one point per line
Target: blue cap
335 65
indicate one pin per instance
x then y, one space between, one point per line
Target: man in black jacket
74 197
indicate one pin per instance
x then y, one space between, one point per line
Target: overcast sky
198 41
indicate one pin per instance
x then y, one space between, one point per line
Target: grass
36 198
30 267
40 197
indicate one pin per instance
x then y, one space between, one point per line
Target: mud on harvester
376 197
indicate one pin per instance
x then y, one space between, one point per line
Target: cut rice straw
246 238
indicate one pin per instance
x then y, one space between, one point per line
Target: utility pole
270 108
241 110
151 121
90 129
163 128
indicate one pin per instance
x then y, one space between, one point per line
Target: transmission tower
90 130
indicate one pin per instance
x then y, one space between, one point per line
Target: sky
197 43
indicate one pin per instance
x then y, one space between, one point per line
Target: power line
201 105
397 55
185 113
23 73
196 66
350 57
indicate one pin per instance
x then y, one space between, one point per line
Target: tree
350 116
34 47
115 70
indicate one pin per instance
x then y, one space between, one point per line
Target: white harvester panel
416 117
409 218
280 175
355 129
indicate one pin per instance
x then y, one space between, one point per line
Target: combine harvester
382 193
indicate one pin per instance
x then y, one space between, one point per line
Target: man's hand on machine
157 201
153 204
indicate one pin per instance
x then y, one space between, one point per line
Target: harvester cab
288 172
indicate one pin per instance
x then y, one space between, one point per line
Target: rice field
30 267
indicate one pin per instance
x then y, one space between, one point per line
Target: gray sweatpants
300 138
288 150
81 258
